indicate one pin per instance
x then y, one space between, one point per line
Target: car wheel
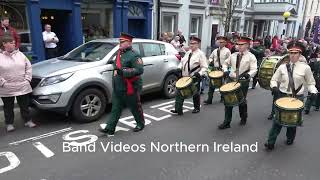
89 106
169 87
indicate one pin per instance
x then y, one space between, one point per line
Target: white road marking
12 158
43 149
41 136
156 118
162 104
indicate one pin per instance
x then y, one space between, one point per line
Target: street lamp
285 15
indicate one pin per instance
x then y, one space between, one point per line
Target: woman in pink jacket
15 78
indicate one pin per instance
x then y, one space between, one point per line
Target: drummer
193 64
315 68
216 59
302 75
243 66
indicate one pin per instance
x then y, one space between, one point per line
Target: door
214 32
61 22
136 27
154 61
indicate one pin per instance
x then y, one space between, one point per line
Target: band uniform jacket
302 75
224 55
198 59
248 63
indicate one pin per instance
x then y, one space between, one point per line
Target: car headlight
55 79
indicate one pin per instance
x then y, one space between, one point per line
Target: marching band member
193 64
243 67
291 78
217 59
315 68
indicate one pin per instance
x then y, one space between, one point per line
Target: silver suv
80 82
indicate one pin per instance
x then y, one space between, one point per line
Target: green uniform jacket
259 53
132 65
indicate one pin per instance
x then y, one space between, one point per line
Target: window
136 48
195 25
169 22
151 49
215 2
163 49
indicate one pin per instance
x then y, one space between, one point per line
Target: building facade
311 16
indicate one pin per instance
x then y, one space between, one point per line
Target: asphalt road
38 154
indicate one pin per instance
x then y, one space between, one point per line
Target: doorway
214 32
61 25
136 27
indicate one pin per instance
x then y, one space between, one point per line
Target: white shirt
247 62
198 58
302 75
48 36
224 55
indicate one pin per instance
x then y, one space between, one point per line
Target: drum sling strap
291 81
238 65
218 54
189 68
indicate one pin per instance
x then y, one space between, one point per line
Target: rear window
151 49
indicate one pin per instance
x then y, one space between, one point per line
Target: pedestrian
176 43
50 42
216 60
243 66
275 43
127 85
315 68
164 37
15 78
182 39
258 50
289 81
193 64
7 29
267 42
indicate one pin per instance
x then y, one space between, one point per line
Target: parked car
80 82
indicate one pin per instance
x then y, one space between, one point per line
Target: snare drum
288 111
267 68
232 94
186 87
216 78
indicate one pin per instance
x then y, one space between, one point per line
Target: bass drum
268 67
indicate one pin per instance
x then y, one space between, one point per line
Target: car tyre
169 86
89 106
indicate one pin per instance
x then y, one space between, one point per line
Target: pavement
40 154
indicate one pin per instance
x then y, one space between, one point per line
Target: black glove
211 64
197 75
246 75
226 74
275 91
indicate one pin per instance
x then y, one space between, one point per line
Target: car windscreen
89 52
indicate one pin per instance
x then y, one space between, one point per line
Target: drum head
215 74
289 103
183 82
230 87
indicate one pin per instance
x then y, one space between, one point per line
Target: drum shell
288 117
267 69
233 98
188 91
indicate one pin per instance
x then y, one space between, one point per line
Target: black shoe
269 147
253 87
195 111
176 112
106 131
138 128
317 109
289 142
306 111
243 122
270 117
224 126
207 102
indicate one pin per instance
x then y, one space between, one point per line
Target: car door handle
165 60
